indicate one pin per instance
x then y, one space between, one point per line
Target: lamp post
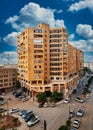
45 125
9 99
69 111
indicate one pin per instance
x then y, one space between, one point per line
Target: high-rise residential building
8 77
89 65
46 60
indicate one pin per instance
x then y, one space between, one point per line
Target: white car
76 123
45 105
87 96
33 121
80 112
13 110
71 113
78 99
66 100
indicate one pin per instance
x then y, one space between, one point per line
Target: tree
15 119
63 127
41 97
68 123
18 85
55 96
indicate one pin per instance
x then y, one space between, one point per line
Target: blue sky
75 15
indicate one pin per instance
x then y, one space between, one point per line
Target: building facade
89 65
8 77
46 60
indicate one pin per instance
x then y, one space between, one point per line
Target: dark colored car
29 116
26 113
18 94
14 92
41 104
1 99
21 112
74 91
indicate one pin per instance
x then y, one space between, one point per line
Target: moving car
76 123
33 121
80 112
13 110
78 99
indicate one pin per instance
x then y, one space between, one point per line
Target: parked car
80 112
21 112
13 110
33 121
76 123
21 97
41 105
26 113
1 98
87 96
66 100
73 128
24 99
78 99
45 105
14 92
18 94
29 117
3 109
53 104
74 91
71 113
2 102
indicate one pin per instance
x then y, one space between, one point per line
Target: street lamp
45 125
7 101
69 112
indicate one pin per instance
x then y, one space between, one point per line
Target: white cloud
82 4
12 57
71 37
32 14
11 39
85 30
88 58
59 11
84 45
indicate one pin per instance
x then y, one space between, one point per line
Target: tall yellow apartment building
46 61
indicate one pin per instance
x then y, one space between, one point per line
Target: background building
8 77
89 65
46 61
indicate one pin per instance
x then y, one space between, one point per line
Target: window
38 31
1 85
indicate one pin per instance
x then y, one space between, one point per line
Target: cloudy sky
75 15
